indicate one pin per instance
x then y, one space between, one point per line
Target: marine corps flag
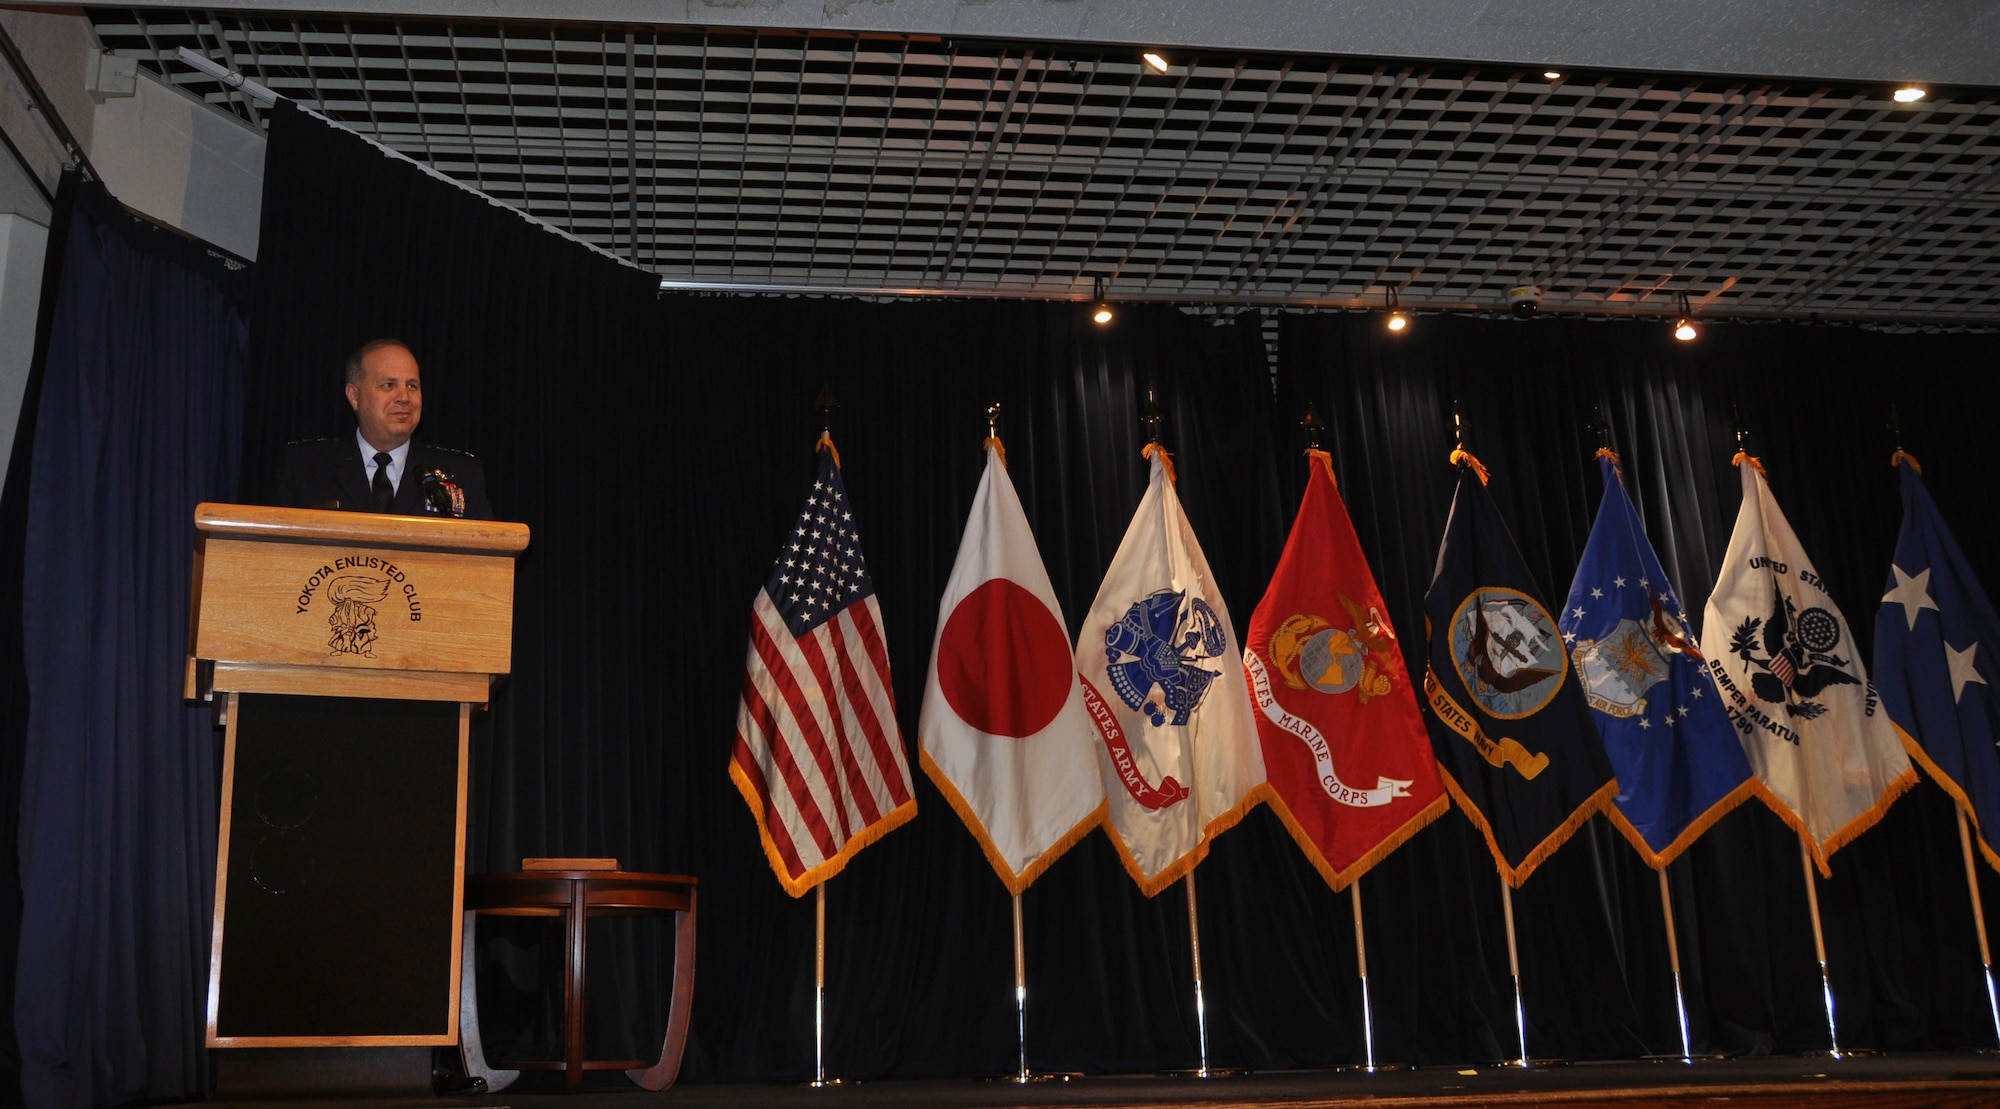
1935 635
1351 770
1003 728
1162 680
1513 736
818 756
1678 762
1793 684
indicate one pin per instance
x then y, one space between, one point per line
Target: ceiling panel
856 163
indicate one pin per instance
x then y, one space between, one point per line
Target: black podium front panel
338 917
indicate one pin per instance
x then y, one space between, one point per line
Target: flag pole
819 990
1674 958
1514 967
1200 1008
1819 945
1978 916
1361 956
1020 989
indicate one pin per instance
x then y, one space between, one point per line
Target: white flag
1795 686
1163 681
1003 727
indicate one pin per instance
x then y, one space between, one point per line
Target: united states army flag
1162 677
1793 684
1003 728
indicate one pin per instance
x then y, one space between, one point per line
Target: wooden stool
577 894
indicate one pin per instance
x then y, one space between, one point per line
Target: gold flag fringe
999 448
1223 822
1754 787
1326 460
797 887
1901 456
1460 454
1852 830
1612 456
1166 459
1015 883
1515 876
1755 463
1340 879
826 443
1955 791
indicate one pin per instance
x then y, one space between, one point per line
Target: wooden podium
348 651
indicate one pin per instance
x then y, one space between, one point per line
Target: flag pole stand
1367 1011
1200 1005
1819 948
1514 968
820 1079
1024 1075
1687 1055
1978 917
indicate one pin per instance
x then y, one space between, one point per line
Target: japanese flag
1003 728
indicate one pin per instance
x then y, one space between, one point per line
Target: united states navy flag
1935 635
1513 736
1680 766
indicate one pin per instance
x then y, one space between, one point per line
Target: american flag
819 758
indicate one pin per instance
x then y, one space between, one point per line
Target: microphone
438 494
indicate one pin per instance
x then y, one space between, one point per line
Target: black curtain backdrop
132 418
659 446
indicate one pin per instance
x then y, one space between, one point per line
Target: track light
1398 319
1102 313
1910 94
1156 60
1684 328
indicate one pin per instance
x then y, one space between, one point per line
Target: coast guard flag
1351 770
1935 635
818 756
1514 739
1793 684
1003 729
1680 767
1162 679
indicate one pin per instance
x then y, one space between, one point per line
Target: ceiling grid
884 163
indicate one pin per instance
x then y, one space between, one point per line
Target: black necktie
384 492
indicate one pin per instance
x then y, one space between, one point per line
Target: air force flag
1680 767
1935 635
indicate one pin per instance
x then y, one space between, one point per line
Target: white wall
22 245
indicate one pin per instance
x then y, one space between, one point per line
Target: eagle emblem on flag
1797 662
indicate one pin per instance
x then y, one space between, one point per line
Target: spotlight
1684 328
1102 313
1398 319
1909 94
1524 301
1156 60
1552 74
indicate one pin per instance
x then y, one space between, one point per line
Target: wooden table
577 896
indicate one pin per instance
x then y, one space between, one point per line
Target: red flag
1350 765
819 758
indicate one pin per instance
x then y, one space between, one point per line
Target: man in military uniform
381 468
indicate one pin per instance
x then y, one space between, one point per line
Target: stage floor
1877 1082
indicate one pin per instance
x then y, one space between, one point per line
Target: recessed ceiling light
1552 74
1155 59
1909 94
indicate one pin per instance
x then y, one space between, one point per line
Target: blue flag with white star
1935 635
1679 764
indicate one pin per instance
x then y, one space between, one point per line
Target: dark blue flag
1680 766
1934 638
1513 737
